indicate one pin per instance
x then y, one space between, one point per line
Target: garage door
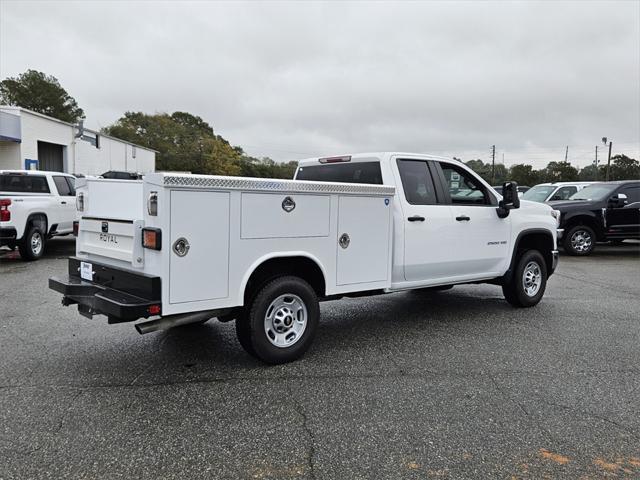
50 157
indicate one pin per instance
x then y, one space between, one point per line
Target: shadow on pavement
55 248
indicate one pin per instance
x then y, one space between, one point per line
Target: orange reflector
152 238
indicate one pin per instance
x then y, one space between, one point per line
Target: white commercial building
30 140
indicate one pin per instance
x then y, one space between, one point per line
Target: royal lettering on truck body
264 252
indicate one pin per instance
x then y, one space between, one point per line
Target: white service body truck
35 206
180 248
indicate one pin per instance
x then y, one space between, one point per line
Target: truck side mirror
510 199
618 200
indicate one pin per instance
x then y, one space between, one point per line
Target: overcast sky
295 79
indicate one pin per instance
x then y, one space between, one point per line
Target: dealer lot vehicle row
263 252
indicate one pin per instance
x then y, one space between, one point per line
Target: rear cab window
21 183
356 172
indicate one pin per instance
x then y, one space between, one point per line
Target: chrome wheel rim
285 320
36 243
581 241
532 279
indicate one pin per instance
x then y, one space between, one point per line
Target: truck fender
39 219
272 256
587 218
541 238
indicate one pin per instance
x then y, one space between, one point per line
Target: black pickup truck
601 212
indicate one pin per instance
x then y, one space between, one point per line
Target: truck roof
35 172
370 157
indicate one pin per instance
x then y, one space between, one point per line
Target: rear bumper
121 295
8 234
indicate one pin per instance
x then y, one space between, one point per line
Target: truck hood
530 206
564 205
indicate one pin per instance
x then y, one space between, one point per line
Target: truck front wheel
528 282
580 240
32 245
280 321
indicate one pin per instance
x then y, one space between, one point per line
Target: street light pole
604 140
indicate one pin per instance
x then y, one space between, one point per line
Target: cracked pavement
453 384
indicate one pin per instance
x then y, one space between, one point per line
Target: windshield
594 192
539 193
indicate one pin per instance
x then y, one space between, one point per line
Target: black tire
279 296
579 241
515 292
32 244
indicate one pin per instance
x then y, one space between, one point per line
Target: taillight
152 238
344 158
5 214
76 227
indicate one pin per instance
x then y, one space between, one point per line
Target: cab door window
564 193
417 182
463 188
63 187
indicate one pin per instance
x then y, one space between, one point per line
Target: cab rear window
359 172
23 183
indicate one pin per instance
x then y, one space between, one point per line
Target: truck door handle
416 218
463 218
63 203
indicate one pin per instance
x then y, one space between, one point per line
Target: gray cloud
289 80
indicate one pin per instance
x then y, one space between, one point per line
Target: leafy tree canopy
186 142
41 93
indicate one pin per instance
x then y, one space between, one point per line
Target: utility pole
609 159
596 163
566 154
493 164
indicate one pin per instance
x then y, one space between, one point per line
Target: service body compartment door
363 239
202 219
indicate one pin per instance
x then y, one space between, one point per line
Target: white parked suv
548 192
35 206
263 252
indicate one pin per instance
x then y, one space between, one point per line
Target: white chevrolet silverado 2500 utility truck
35 206
177 249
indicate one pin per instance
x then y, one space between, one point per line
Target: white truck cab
185 248
35 206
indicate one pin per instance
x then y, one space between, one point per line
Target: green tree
560 172
184 142
41 93
624 168
187 143
524 175
590 173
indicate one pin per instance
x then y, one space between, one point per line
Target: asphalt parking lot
454 384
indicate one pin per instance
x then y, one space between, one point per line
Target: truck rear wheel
528 282
280 321
32 245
